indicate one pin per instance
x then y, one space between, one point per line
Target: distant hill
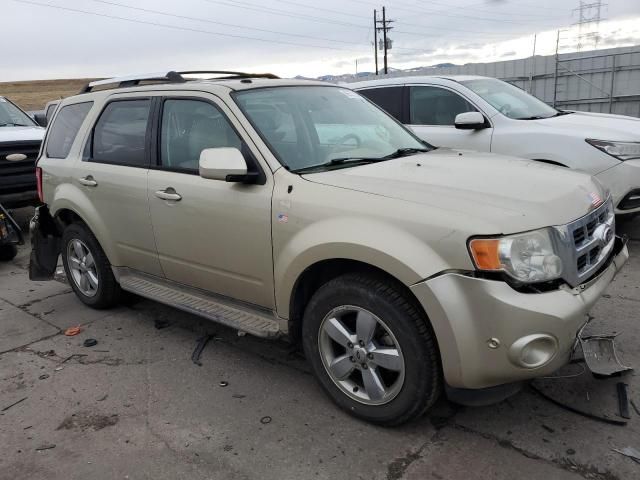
34 94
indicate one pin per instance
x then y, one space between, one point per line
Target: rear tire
8 252
394 375
87 268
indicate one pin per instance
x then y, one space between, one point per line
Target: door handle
168 194
88 181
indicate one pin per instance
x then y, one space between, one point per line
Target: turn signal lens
485 253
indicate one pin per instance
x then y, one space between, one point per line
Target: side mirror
224 163
41 119
470 121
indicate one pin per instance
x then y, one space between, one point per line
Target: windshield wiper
339 161
401 152
14 125
405 152
533 117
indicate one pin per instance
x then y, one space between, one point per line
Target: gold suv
298 208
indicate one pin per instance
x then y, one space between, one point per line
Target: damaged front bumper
10 232
490 334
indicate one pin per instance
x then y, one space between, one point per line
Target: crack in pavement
588 472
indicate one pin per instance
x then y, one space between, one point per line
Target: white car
489 115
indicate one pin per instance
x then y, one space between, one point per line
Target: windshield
10 115
509 100
311 126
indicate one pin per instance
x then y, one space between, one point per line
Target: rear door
432 113
113 178
213 235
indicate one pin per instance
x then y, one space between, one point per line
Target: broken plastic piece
202 342
600 355
630 452
72 331
623 400
90 342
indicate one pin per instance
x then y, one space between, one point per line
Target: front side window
12 116
509 100
190 126
64 130
120 133
436 106
310 126
387 98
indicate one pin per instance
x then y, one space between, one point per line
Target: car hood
600 126
506 194
21 134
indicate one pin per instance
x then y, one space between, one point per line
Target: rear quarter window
387 98
64 129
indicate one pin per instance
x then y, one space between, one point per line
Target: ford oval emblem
16 157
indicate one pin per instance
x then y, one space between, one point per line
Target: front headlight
527 257
620 150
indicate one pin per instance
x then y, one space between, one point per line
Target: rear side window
50 111
65 128
436 106
120 134
388 98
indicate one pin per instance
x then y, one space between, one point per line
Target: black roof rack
170 77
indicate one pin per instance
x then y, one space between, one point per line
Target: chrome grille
585 244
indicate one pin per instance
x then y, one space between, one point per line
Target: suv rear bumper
484 327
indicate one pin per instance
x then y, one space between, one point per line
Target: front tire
372 349
87 268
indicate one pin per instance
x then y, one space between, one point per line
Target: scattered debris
548 429
27 428
48 446
83 421
266 419
103 398
635 407
13 404
161 323
90 342
241 333
202 342
612 421
600 355
72 331
237 395
630 452
223 383
44 376
623 400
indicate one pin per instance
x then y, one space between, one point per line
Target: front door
210 234
432 112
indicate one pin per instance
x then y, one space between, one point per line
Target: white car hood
513 193
599 126
21 134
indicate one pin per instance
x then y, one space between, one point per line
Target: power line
174 27
204 20
491 12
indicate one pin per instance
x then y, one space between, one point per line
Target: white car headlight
620 150
527 257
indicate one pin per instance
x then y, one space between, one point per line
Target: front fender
376 243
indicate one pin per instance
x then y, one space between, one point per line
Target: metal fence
606 81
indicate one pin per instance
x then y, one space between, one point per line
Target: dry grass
34 94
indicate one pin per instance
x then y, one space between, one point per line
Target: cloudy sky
98 38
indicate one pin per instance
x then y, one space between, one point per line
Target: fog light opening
533 351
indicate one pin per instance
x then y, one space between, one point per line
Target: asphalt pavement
135 406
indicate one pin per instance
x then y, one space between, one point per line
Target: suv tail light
39 183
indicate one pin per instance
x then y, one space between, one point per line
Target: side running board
255 322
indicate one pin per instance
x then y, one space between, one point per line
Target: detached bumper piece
45 245
600 355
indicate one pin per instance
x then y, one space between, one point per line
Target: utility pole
375 38
533 63
386 42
